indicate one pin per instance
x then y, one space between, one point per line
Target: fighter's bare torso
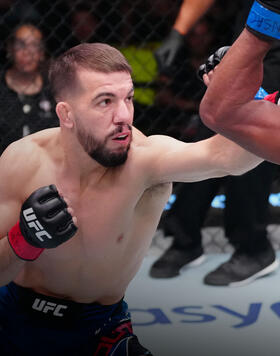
117 216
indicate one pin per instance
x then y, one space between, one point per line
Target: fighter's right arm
10 204
28 226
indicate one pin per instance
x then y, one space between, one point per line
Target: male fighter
88 197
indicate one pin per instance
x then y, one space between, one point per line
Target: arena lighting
274 199
219 201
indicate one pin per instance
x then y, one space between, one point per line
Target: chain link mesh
165 103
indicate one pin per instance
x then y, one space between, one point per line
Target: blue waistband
54 309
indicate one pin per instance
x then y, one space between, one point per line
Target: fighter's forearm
228 106
10 264
190 12
236 80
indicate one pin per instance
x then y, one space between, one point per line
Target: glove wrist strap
21 247
263 22
176 35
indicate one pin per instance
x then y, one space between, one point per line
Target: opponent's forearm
235 81
228 106
190 12
10 264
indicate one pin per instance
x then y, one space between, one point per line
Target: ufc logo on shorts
46 307
33 222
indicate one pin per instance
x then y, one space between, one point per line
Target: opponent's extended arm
228 106
190 12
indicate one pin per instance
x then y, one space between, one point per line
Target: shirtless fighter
88 196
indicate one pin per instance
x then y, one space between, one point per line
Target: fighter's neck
77 165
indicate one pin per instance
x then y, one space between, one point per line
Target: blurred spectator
246 218
84 25
142 30
54 22
147 20
26 105
189 13
180 90
159 97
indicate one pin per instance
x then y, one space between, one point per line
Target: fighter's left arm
176 161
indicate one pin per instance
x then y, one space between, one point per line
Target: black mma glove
166 53
212 61
264 19
44 223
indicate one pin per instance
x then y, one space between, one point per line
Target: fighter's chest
102 214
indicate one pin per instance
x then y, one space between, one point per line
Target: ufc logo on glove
33 222
44 223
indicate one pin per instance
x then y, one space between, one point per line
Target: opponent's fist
212 62
264 19
44 223
166 53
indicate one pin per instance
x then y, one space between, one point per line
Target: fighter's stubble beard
98 151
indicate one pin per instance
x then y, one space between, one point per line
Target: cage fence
165 102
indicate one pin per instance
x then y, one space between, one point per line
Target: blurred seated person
84 26
26 106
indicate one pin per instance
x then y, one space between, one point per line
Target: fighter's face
99 149
103 114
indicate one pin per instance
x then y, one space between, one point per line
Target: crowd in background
166 102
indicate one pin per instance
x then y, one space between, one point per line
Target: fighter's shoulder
153 144
26 154
151 150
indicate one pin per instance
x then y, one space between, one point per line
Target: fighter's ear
64 113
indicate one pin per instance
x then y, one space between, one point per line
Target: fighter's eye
130 98
105 102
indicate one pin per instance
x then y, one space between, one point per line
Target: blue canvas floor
183 317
